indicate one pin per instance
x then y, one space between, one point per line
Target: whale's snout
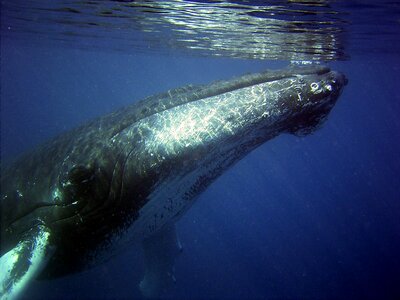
339 79
319 92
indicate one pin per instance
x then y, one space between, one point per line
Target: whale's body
128 176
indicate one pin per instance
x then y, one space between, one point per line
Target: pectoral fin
160 251
23 263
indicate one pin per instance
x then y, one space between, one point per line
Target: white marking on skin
314 87
9 261
180 126
56 194
299 97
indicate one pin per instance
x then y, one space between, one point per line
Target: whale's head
173 154
307 99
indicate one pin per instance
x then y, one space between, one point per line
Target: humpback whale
124 179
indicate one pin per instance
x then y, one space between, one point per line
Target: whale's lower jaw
173 196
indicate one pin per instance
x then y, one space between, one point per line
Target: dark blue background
312 217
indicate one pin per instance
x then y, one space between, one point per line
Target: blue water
313 217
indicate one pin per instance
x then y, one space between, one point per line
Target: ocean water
316 217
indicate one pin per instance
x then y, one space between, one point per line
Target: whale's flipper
160 251
24 262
